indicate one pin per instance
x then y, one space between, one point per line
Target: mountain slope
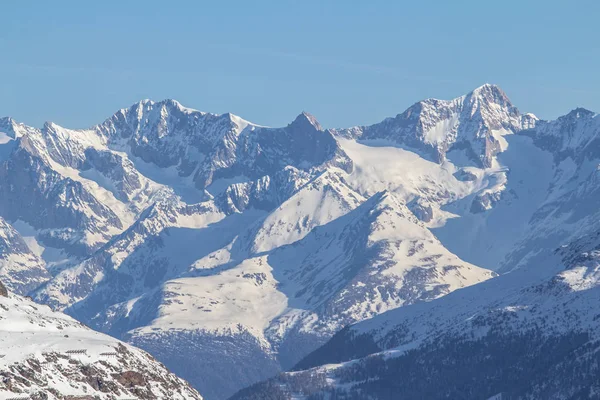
528 334
253 294
22 270
48 355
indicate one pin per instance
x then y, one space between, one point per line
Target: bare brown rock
131 379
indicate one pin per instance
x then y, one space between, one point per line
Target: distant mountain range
232 251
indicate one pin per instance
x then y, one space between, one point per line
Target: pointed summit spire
7 124
306 120
487 86
491 93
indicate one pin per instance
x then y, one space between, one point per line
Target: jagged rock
465 176
131 379
422 209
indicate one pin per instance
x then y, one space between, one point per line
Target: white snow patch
382 166
29 233
440 131
486 237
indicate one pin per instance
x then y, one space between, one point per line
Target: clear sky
347 62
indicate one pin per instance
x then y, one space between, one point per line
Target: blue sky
346 62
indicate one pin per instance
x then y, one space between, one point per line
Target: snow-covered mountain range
529 333
232 251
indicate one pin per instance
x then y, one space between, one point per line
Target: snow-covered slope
324 258
21 268
46 354
540 320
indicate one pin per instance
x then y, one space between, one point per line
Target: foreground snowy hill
48 355
231 251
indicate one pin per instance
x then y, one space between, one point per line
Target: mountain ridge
176 225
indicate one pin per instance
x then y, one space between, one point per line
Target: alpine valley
452 251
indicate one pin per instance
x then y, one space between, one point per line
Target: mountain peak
306 120
580 112
386 199
490 93
49 125
172 103
143 103
487 86
168 104
8 124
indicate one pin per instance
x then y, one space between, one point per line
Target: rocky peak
305 121
432 127
9 127
490 104
50 126
489 93
572 135
387 206
6 122
579 113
